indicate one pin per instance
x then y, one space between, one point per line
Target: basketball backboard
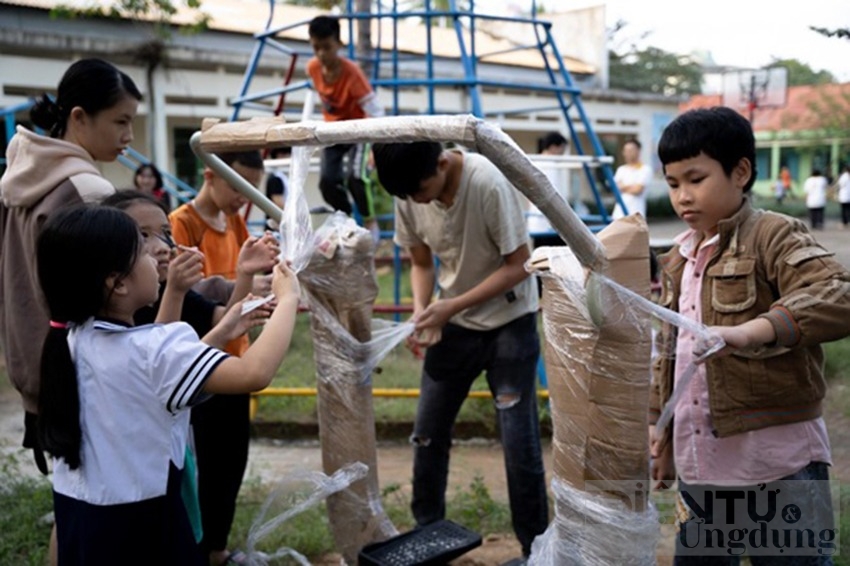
747 90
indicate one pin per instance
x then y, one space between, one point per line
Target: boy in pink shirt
750 418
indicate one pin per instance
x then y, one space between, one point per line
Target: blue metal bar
274 44
395 61
468 67
473 82
472 39
591 135
9 116
249 75
429 57
277 91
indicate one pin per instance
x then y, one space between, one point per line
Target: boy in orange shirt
212 223
346 94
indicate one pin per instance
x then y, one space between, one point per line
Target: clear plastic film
591 529
294 494
599 353
341 288
296 227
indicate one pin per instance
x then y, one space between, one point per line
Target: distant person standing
785 178
844 195
148 180
539 227
346 94
632 179
815 190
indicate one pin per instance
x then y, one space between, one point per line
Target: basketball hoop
753 89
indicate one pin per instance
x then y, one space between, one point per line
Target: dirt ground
273 459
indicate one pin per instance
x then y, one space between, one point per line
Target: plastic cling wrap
341 287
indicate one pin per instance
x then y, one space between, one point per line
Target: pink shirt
752 457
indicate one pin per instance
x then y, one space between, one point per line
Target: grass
24 502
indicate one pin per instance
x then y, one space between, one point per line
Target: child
180 270
113 406
148 180
212 224
90 121
459 208
346 95
752 413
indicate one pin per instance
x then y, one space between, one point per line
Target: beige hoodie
43 174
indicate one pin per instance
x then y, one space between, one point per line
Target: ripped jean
509 355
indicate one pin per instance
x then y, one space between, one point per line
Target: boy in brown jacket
751 414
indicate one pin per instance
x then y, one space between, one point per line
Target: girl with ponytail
115 397
89 121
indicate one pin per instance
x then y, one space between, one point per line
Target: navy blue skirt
153 531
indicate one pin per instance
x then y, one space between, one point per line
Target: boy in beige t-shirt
459 208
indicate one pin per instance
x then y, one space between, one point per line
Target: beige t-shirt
470 238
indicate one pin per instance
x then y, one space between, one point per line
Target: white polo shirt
626 175
135 384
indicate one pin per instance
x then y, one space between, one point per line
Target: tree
837 32
800 73
654 70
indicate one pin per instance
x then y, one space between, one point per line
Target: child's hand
234 324
285 283
435 315
258 255
262 285
186 269
663 469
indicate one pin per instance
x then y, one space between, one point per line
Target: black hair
323 27
154 171
91 84
78 248
252 159
402 167
124 199
816 172
550 139
634 141
719 132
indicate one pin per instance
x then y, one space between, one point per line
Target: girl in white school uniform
113 409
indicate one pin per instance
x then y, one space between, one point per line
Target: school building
199 75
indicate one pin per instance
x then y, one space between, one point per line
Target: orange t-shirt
785 176
220 249
341 98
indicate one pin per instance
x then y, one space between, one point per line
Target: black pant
816 217
222 431
341 166
845 213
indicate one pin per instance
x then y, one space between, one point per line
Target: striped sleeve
180 366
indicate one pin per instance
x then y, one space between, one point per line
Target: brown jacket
765 265
43 174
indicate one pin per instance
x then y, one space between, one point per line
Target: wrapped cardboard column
342 287
597 355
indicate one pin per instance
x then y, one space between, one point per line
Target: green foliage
476 509
160 12
837 365
840 33
800 73
24 502
654 70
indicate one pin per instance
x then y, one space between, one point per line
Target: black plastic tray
431 545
